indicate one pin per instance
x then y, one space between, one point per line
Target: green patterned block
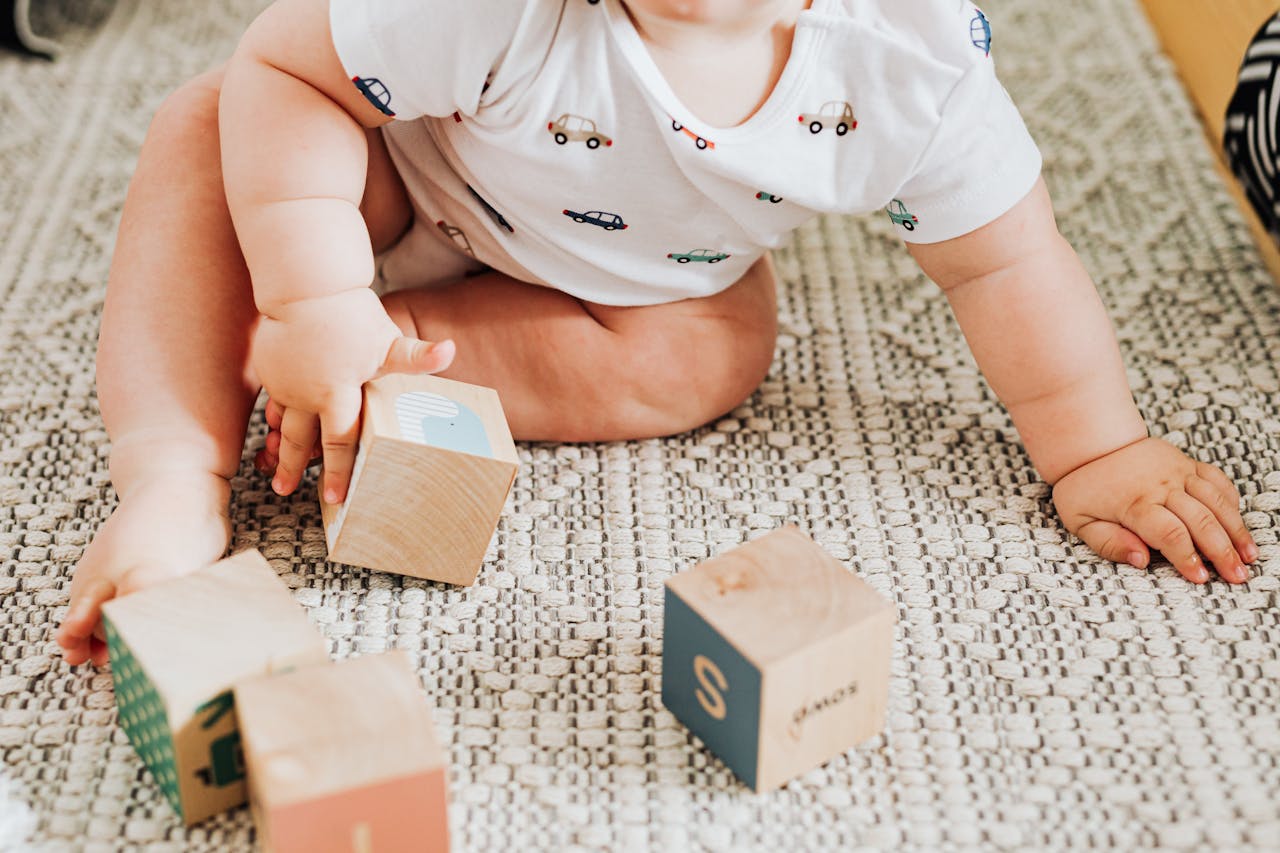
226 758
177 650
142 715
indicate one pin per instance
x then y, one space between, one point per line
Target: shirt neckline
651 78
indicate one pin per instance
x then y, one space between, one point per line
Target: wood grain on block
432 473
776 656
344 758
177 648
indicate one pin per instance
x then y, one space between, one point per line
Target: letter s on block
711 701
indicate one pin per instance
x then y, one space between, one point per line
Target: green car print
770 197
899 214
710 256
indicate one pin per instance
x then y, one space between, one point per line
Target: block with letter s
776 656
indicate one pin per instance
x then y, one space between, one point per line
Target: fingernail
1250 552
1242 573
277 486
1137 560
1200 574
331 496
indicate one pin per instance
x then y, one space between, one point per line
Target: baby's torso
582 166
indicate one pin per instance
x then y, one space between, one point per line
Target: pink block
405 815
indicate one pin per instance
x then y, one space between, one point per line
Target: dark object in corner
1250 135
16 31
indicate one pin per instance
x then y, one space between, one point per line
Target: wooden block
435 464
776 656
344 758
176 650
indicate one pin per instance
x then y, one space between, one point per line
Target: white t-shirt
570 153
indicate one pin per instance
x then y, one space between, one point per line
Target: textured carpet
1042 698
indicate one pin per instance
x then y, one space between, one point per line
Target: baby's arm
1042 337
294 162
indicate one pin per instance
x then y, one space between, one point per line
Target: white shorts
445 241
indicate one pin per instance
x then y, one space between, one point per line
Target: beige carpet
1043 699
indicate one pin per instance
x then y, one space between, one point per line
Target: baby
574 202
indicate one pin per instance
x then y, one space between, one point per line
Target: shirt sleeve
412 58
980 162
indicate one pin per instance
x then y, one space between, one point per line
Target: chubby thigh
571 370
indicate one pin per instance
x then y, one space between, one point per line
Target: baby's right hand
312 357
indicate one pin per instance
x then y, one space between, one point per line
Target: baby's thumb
410 355
1115 543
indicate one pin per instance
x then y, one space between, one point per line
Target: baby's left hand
1150 494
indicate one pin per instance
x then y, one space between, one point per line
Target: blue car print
980 32
607 221
498 218
375 93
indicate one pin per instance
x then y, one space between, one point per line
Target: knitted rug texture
1042 698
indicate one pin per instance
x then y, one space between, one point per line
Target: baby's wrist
311 305
1055 469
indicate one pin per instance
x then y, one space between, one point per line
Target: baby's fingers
76 633
1213 489
1209 536
340 429
298 433
410 355
274 413
1113 542
1163 530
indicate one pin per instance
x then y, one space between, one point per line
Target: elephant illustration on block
438 421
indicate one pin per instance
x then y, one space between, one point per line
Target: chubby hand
1151 495
312 358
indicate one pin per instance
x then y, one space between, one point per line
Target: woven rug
1042 698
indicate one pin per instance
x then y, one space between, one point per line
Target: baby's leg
173 382
569 370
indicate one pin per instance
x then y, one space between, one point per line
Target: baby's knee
398 309
192 108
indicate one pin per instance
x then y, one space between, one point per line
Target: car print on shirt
769 197
699 141
837 114
980 32
375 93
710 256
899 215
498 218
607 221
457 236
572 128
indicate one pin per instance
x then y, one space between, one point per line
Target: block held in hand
433 469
